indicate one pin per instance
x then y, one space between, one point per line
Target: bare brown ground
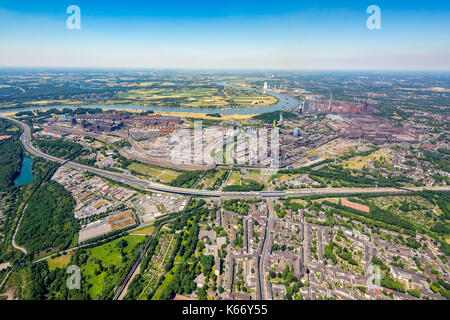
9 293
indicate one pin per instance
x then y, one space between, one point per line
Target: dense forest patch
48 221
10 153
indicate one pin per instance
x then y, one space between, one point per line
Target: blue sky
278 34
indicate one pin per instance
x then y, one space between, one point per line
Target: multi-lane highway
153 186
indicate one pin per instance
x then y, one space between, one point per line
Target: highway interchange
148 185
153 186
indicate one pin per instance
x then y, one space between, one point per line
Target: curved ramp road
26 141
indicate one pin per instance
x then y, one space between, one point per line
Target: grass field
105 263
300 201
334 148
235 179
110 254
285 177
144 231
257 176
59 262
164 175
358 163
253 174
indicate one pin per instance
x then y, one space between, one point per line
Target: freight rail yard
195 214
157 137
233 159
160 147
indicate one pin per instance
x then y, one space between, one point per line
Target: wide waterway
285 102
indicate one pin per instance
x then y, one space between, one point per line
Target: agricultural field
196 96
189 96
242 84
206 116
57 101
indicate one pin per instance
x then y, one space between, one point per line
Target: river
285 102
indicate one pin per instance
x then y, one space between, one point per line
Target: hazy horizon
144 69
227 35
